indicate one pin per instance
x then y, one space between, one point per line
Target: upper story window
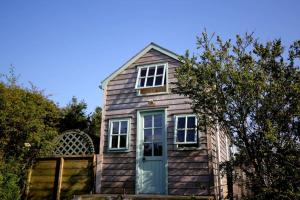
151 78
186 131
119 130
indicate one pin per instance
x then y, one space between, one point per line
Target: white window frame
185 129
110 148
154 76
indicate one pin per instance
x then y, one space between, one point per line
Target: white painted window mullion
163 79
146 78
138 78
185 129
196 131
175 128
119 134
110 135
127 133
154 76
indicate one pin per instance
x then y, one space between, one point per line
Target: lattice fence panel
73 143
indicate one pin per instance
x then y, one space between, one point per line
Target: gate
69 171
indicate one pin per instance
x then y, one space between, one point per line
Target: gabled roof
136 57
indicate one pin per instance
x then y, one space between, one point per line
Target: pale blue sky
66 47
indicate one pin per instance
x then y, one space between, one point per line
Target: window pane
147 121
143 72
148 135
142 82
148 149
124 127
160 70
114 141
150 81
180 136
151 71
158 134
190 137
158 120
181 122
157 149
115 127
123 141
158 80
191 122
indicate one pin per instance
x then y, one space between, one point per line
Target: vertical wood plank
60 173
210 161
101 147
28 182
94 172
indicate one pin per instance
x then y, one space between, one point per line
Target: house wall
188 171
219 155
223 158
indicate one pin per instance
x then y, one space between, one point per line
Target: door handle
144 159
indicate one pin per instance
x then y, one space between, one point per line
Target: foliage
29 121
28 124
74 117
9 180
25 117
253 91
95 122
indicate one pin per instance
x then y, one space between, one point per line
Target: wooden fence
61 178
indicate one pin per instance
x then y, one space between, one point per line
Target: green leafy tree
28 124
9 180
95 122
74 117
253 92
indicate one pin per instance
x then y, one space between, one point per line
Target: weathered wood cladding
61 178
77 177
188 171
42 181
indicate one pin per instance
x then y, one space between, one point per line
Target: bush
9 181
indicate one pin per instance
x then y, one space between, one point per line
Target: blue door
151 157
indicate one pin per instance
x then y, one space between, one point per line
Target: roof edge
150 46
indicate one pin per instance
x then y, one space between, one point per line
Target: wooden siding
223 158
215 162
188 171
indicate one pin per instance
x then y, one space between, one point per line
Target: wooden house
149 140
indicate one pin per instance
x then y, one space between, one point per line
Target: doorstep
138 197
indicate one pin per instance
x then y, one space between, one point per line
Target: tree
9 180
253 92
28 124
25 117
95 122
74 117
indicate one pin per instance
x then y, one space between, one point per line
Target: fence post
60 172
28 182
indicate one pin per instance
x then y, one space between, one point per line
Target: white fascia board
135 58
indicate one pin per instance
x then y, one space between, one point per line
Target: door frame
139 144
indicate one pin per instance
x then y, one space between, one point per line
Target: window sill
152 94
118 150
187 148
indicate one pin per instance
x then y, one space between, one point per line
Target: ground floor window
186 131
119 130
